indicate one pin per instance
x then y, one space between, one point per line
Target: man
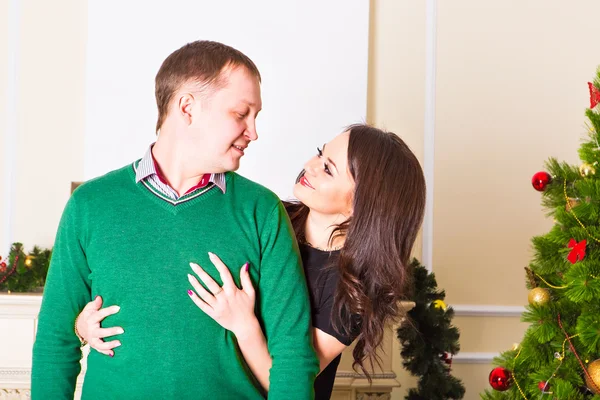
129 236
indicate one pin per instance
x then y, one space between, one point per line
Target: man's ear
185 105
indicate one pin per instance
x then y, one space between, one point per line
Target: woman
361 204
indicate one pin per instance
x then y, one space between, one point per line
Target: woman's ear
350 202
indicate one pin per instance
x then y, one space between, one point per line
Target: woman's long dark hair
374 267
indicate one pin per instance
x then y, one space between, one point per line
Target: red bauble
543 386
446 358
500 379
541 180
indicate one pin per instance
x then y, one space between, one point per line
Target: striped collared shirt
147 171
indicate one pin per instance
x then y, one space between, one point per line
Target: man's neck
170 159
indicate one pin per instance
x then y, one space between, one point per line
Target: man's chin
232 167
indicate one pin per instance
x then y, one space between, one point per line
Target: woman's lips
305 182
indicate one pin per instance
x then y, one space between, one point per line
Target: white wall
7 128
312 55
41 117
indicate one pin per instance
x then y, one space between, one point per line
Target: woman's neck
318 230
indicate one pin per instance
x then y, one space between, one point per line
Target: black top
322 277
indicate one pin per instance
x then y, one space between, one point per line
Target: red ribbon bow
578 252
594 95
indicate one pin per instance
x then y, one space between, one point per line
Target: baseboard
474 358
472 310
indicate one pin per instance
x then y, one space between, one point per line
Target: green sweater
127 243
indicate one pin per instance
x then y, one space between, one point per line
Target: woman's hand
88 326
230 307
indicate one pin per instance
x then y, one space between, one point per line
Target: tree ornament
500 379
9 273
439 304
541 180
594 95
578 252
531 277
571 203
586 170
593 370
447 358
544 386
29 261
515 346
539 296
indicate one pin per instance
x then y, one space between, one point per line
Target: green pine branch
25 278
545 354
426 336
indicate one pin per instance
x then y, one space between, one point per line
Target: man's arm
284 310
56 352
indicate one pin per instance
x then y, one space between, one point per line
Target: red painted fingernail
190 292
112 354
247 265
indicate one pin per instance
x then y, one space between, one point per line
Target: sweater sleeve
56 352
285 311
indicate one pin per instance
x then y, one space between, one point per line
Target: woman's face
326 186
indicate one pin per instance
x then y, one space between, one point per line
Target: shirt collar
147 168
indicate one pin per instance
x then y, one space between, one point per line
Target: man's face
225 122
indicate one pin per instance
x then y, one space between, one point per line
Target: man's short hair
202 62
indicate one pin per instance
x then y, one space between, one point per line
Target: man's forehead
251 103
245 87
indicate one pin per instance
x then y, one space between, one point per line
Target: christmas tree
21 272
429 340
559 356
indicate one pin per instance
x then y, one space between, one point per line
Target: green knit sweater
127 243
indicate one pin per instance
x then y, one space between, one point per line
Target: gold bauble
539 297
440 304
586 170
29 261
515 346
593 370
572 203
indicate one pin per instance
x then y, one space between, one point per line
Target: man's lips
305 182
240 148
